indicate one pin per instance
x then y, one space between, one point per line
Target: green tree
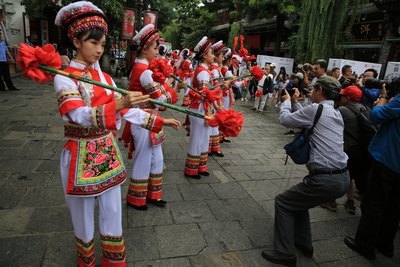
197 27
281 9
321 27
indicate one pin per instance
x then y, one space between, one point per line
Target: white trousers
148 158
199 134
259 102
227 102
82 208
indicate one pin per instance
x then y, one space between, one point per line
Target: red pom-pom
243 52
257 72
258 93
212 95
161 70
29 58
229 121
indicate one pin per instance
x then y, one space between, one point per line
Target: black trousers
380 210
5 75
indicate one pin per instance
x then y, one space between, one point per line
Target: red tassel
29 58
229 121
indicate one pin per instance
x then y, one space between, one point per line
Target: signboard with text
358 66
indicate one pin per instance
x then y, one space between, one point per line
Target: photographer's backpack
367 128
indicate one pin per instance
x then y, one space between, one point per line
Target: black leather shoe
196 176
387 252
227 141
307 251
158 203
210 154
218 154
144 207
204 173
352 244
278 257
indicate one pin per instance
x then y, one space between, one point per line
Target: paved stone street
225 219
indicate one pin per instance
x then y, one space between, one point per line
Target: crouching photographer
328 178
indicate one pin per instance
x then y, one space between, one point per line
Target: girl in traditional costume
91 164
218 48
147 174
197 157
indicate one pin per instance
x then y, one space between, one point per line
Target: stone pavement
222 220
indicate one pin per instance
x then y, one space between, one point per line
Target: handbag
299 149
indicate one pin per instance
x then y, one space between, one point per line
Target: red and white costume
197 157
147 173
91 164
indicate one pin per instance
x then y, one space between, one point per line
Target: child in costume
147 174
91 164
197 157
218 47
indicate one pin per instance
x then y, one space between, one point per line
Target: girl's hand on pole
131 100
172 123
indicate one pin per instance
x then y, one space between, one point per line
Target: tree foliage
321 27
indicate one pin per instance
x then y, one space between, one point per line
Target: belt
327 171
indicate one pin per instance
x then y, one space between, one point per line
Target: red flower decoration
29 58
115 164
101 158
88 173
257 72
229 121
109 141
91 146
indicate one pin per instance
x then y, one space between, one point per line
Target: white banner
392 71
358 66
279 62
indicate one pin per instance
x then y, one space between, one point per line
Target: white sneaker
276 105
246 99
242 99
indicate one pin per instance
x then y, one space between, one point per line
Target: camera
290 91
371 83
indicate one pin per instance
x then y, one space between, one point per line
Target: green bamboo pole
120 90
234 78
176 78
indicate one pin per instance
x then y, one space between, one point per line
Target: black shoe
2 89
144 207
210 154
13 89
157 202
196 176
227 141
218 154
387 252
331 205
278 257
290 132
351 243
307 251
204 173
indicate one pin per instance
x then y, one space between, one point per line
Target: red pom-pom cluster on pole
230 122
257 72
29 58
161 70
